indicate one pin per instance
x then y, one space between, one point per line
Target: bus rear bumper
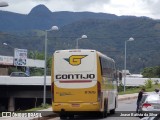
76 107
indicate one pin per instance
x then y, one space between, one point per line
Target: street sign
20 57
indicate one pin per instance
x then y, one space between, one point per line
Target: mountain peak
40 10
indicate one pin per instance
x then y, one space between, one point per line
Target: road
123 106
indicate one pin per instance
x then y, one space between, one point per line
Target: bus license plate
75 105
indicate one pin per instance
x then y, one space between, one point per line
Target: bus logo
75 59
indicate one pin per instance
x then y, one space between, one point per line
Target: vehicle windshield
68 62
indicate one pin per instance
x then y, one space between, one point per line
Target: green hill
105 34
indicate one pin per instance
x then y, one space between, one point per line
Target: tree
151 72
40 56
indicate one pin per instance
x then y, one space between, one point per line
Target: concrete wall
137 81
35 80
12 93
3 71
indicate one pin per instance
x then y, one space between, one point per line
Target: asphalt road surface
123 107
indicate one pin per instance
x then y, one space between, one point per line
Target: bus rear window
75 62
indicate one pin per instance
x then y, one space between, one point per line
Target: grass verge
40 107
130 90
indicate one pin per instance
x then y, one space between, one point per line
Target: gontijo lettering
75 59
75 76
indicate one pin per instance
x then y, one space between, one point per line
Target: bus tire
71 117
113 110
63 116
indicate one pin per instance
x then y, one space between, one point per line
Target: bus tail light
99 90
52 91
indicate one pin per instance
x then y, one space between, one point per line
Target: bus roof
75 50
87 50
105 56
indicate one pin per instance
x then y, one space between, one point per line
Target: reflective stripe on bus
74 81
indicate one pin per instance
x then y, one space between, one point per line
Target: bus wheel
113 110
63 117
71 117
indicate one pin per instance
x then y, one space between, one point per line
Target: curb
127 98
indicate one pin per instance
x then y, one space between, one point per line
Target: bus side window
120 76
113 71
115 74
103 67
109 69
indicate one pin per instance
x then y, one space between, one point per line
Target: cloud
152 6
78 5
148 8
24 6
40 0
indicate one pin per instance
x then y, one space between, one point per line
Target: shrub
13 69
148 83
120 87
142 87
45 106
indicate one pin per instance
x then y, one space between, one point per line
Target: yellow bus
83 81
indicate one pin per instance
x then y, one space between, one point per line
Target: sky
149 8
